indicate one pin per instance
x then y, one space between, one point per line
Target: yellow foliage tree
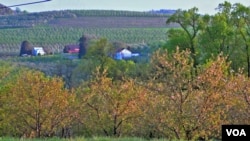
110 107
8 73
184 104
240 98
37 105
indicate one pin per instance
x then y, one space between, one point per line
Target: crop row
10 39
103 13
69 35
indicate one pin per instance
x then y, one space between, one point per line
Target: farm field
57 37
68 35
111 22
85 18
55 29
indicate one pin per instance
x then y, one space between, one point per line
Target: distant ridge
84 18
163 11
4 10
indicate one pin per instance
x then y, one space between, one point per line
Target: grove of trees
226 33
196 82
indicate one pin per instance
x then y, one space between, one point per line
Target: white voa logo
236 132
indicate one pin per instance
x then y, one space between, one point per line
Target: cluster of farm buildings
120 53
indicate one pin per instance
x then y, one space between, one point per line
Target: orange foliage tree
184 104
109 107
240 98
8 73
37 105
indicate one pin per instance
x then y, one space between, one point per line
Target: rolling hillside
54 29
85 18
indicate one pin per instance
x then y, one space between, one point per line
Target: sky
204 6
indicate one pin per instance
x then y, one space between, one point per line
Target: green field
57 37
55 29
52 35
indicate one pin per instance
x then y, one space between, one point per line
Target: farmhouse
124 53
37 51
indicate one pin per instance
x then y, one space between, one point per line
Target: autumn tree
183 105
37 105
8 73
109 106
240 99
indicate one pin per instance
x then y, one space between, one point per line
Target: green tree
100 54
176 37
241 18
26 48
84 43
97 55
216 35
189 20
